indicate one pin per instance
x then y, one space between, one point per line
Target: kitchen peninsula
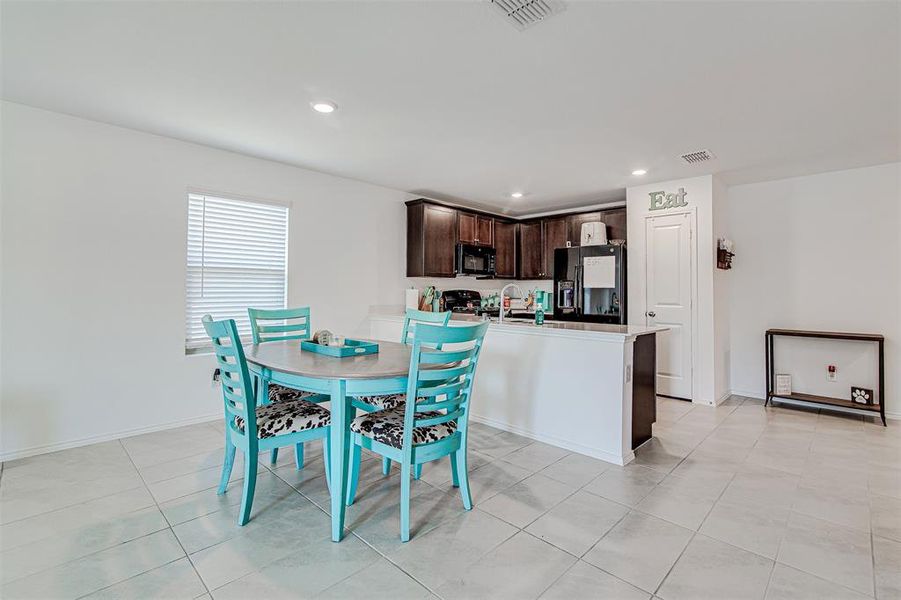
584 387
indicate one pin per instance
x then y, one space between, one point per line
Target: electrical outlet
217 376
831 373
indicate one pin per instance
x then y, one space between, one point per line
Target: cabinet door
440 226
575 225
616 223
531 250
484 231
505 243
466 227
555 234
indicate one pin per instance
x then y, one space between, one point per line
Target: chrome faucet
500 318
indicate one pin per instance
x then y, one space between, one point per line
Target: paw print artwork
861 395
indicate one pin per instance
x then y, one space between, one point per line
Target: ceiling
446 99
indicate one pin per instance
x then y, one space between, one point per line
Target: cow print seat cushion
385 402
280 393
387 427
288 417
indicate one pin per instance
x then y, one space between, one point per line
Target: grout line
872 544
166 519
769 579
106 587
89 554
70 506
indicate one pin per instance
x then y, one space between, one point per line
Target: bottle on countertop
539 314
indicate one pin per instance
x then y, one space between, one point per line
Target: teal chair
435 425
253 428
277 325
373 403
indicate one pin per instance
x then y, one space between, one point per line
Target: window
237 258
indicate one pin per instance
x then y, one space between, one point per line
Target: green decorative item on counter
539 314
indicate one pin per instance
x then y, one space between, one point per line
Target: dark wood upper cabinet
431 236
466 227
525 249
575 225
505 244
616 223
556 234
614 218
484 231
475 229
531 249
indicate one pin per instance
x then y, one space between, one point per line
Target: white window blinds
237 258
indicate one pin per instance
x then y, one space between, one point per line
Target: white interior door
668 240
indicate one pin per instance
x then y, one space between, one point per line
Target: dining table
284 363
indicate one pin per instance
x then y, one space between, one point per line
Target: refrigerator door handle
578 290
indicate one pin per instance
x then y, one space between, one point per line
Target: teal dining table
383 373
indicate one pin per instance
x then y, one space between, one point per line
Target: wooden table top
392 360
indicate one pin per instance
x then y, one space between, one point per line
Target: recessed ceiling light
324 106
516 195
640 172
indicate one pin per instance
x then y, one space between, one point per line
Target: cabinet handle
652 314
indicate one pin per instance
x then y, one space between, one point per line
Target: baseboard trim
560 443
106 437
756 395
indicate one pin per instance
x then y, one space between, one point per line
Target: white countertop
552 328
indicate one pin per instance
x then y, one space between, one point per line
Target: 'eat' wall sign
661 200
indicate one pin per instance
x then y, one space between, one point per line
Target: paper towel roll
412 298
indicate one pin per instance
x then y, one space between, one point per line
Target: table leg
338 456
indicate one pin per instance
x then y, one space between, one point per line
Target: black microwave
475 260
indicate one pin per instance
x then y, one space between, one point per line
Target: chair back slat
237 391
444 388
414 317
444 418
451 404
447 389
289 328
445 357
443 374
279 324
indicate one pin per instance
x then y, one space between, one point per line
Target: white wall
721 286
93 268
817 252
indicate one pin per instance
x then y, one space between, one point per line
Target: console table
826 335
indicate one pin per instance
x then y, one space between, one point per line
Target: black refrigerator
590 284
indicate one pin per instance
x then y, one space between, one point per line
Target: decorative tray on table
350 348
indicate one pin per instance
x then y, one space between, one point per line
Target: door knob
651 314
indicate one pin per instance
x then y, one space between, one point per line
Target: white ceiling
446 99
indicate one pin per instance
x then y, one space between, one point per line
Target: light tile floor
738 501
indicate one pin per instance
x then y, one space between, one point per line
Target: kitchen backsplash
472 283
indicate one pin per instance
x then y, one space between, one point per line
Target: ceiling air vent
697 156
522 14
